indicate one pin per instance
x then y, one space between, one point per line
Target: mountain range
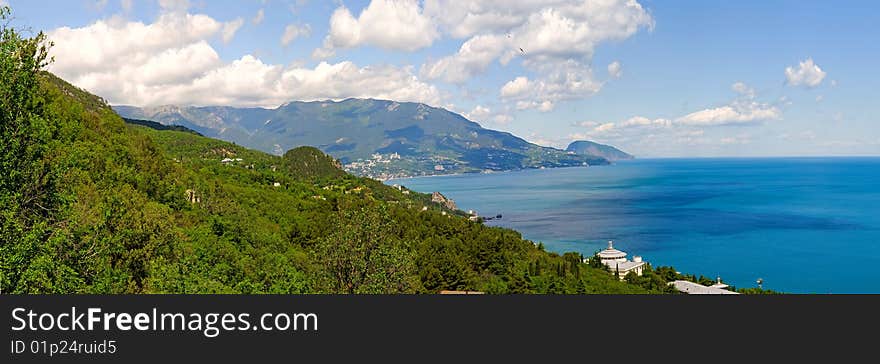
373 138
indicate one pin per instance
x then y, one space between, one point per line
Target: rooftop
611 253
623 266
719 284
695 288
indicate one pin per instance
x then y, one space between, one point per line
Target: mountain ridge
371 137
608 152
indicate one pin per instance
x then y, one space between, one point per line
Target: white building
617 262
720 285
696 288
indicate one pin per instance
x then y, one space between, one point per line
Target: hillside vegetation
94 205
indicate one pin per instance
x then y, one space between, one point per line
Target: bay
803 225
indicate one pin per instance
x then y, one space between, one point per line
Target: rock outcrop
439 198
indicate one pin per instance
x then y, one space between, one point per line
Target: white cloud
473 58
744 109
484 114
732 114
229 29
563 81
517 87
806 74
161 69
478 113
614 69
293 31
554 40
170 61
639 122
465 18
261 14
573 30
388 24
84 50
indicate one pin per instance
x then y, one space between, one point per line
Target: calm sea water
804 225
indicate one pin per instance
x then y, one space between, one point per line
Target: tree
632 278
596 262
26 184
362 256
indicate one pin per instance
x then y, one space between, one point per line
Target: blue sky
655 78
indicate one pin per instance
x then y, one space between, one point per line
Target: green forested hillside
93 205
90 204
137 210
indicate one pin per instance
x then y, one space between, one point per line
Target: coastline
508 171
702 215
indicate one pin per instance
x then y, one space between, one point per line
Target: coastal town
385 166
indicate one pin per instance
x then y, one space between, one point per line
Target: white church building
617 262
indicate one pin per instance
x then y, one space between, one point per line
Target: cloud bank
171 61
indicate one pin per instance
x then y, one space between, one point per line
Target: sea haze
804 225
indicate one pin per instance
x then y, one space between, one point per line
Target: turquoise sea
803 225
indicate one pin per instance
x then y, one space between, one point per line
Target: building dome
610 253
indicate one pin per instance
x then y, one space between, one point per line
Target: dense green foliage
93 205
342 233
311 163
28 184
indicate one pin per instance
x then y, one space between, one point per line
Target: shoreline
496 172
652 213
